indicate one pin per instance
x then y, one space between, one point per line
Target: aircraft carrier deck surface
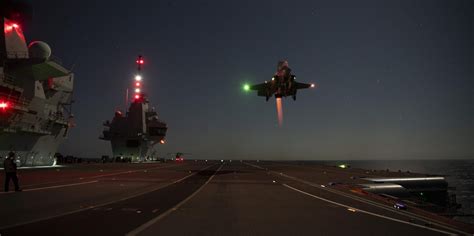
208 198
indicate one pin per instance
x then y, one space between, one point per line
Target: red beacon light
138 79
4 105
140 61
10 27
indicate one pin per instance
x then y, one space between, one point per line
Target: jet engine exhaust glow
279 111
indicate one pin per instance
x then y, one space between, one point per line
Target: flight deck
199 197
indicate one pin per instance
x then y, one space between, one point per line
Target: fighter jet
282 84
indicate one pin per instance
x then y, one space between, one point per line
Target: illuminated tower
134 135
138 79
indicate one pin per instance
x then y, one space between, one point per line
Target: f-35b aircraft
283 84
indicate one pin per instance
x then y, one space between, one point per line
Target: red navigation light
137 96
137 84
140 61
9 27
4 105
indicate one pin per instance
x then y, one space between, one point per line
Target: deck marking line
367 201
59 186
145 226
97 176
379 205
129 172
52 187
100 205
368 212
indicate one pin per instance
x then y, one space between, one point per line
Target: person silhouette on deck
10 168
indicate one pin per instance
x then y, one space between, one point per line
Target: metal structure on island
134 134
35 95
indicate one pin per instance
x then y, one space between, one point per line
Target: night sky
396 77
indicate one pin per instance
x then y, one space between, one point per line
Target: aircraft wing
261 89
258 87
303 85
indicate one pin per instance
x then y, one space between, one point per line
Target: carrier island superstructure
35 97
134 134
